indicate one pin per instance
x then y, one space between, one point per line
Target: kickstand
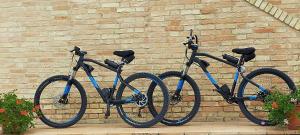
107 113
139 113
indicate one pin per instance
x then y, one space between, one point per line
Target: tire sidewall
196 90
157 118
250 76
81 90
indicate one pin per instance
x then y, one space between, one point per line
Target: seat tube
116 81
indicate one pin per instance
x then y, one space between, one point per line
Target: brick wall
36 34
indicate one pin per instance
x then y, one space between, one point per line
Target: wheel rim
133 112
271 82
55 112
182 107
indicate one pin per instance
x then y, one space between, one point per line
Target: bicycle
250 98
66 102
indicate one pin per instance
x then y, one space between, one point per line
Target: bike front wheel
136 111
271 80
184 105
54 112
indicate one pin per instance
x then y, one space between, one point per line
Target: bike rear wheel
270 79
183 107
55 113
137 113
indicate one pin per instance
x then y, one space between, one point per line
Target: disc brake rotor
175 98
57 103
142 100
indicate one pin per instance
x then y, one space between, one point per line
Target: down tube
212 80
95 84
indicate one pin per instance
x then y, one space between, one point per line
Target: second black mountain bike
255 86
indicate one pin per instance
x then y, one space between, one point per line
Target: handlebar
190 43
78 51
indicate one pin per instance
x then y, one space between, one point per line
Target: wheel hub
60 102
175 99
142 100
261 96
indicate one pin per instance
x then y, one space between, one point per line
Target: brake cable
186 51
73 55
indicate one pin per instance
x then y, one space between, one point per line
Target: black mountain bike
185 96
62 99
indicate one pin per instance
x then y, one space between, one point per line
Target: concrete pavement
194 128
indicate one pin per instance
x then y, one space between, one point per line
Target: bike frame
81 63
194 58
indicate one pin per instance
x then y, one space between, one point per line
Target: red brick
208 10
264 30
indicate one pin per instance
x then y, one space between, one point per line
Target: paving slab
194 128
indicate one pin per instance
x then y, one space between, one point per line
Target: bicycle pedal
139 113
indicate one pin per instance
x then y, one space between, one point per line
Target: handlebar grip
78 51
111 63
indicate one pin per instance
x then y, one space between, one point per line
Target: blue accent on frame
116 81
67 89
211 79
129 100
136 91
180 85
236 75
94 82
252 97
264 90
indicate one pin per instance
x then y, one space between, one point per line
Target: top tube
215 58
100 64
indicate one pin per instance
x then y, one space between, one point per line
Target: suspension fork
69 83
71 78
184 73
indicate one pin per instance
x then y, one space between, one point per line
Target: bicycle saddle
245 51
124 54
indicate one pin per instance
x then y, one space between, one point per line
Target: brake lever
72 51
196 37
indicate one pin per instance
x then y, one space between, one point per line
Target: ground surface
194 128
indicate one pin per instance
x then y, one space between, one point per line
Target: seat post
241 61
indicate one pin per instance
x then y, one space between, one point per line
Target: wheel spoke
58 112
271 80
